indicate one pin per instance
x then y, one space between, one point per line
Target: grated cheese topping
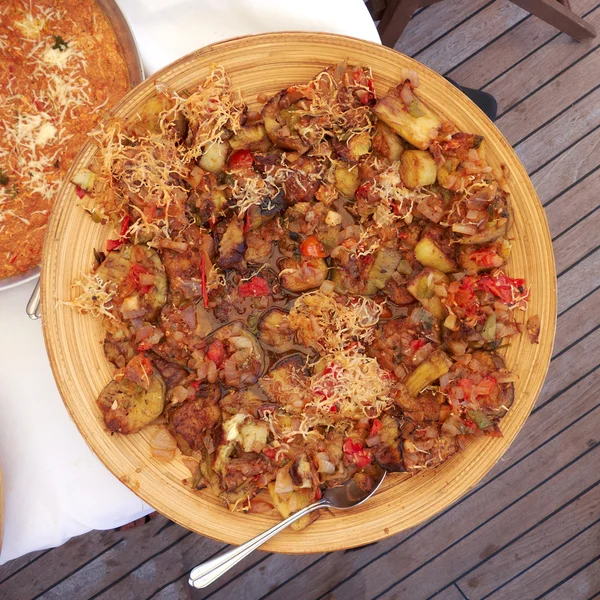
95 299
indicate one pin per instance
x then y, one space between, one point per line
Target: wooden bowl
268 63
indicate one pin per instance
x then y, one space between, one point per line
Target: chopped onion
325 466
241 342
178 394
163 445
406 95
373 441
327 287
466 229
146 278
173 245
283 482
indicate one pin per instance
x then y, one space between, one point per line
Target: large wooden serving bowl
268 63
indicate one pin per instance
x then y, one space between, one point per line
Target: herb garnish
59 43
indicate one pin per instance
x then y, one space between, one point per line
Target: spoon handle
207 572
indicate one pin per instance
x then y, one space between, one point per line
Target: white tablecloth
54 487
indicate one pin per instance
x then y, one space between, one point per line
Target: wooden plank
554 569
60 563
451 593
337 573
577 242
560 17
472 35
585 584
537 109
539 68
173 563
560 133
507 51
101 554
427 26
571 365
567 168
566 527
12 567
574 204
179 590
578 282
426 563
584 319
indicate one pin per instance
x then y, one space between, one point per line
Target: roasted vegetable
428 372
387 143
423 288
429 253
346 180
274 329
251 137
128 407
287 503
232 246
414 122
302 275
417 168
213 158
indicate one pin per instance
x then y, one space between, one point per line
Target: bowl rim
541 366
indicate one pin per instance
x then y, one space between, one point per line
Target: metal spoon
343 498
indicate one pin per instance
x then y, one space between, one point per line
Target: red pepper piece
80 193
255 287
241 159
416 344
113 245
376 427
216 352
312 247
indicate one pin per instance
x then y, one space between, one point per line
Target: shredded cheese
95 299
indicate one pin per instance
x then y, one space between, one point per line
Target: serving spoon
343 497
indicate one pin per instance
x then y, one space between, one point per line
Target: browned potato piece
149 114
232 246
418 124
214 157
355 147
427 372
302 275
422 287
274 329
251 137
429 254
127 407
285 384
475 259
346 180
292 502
417 168
387 143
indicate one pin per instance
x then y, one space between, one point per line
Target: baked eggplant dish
297 294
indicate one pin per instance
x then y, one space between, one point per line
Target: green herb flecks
59 43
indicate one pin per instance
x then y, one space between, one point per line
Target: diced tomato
269 452
216 352
195 384
80 193
484 257
312 247
124 225
509 290
362 459
113 244
416 344
333 408
376 427
318 493
246 222
255 287
133 278
241 159
351 446
466 385
486 385
363 190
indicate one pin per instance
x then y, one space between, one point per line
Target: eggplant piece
388 453
232 246
417 169
251 137
172 373
417 123
286 383
349 280
193 419
354 148
119 348
302 275
495 405
279 128
497 227
427 372
274 329
422 287
127 407
476 259
124 267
